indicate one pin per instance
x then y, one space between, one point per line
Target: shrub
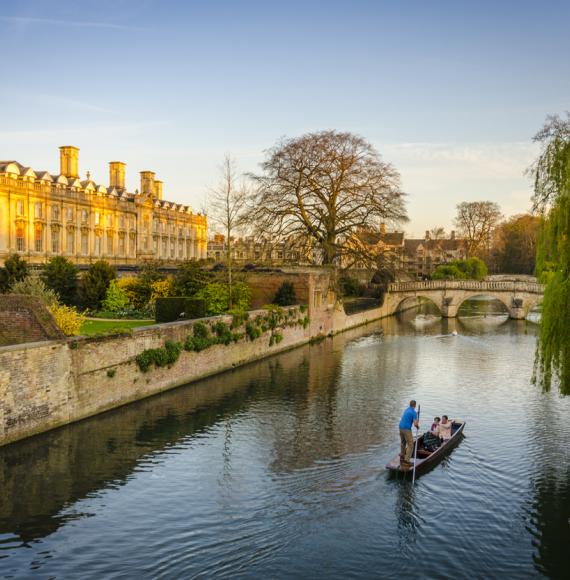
116 298
94 284
215 296
252 331
200 330
190 278
350 286
173 350
448 272
160 357
169 309
15 270
238 317
275 338
135 290
161 289
33 285
241 296
195 308
274 316
473 268
285 295
145 359
67 318
223 332
60 275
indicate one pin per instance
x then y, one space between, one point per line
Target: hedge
169 309
195 308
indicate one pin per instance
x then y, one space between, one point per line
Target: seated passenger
445 428
435 426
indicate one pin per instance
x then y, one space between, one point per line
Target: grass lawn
93 326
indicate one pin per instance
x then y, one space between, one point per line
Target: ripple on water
277 469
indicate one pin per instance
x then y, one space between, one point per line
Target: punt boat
427 459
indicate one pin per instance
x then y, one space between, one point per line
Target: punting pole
416 447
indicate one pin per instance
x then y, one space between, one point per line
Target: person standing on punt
409 418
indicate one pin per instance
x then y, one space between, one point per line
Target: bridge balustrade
470 285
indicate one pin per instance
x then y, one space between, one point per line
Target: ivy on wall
205 335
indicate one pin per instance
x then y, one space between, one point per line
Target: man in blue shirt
409 418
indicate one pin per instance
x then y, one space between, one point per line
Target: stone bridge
519 297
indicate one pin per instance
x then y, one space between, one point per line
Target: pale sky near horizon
450 92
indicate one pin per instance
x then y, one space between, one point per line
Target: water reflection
276 469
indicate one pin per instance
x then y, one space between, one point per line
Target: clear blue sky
450 92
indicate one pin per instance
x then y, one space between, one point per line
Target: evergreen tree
61 276
15 270
190 278
94 284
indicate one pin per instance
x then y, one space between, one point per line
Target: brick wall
25 319
264 285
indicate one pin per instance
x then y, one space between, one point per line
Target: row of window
70 216
70 243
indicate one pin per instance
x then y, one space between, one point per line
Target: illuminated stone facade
44 215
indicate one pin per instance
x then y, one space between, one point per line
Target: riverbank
45 385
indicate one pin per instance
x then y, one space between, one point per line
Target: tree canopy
551 174
476 221
515 244
323 187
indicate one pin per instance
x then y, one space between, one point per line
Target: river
276 469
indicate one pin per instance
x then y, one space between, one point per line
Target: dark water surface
276 470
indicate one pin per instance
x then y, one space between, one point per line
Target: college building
44 215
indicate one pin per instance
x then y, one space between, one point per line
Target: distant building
423 256
44 215
383 245
257 251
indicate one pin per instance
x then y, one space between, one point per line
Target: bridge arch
432 299
498 297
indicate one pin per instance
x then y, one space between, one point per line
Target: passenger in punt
445 428
435 426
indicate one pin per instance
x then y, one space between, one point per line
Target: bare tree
476 221
324 187
228 201
437 233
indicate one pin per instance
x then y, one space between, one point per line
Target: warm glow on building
44 215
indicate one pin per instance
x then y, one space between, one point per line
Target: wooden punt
427 459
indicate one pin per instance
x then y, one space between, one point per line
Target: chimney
117 174
452 235
158 189
147 183
383 228
69 161
427 234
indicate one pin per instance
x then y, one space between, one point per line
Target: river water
276 469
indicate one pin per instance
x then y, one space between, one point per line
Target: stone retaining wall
44 385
